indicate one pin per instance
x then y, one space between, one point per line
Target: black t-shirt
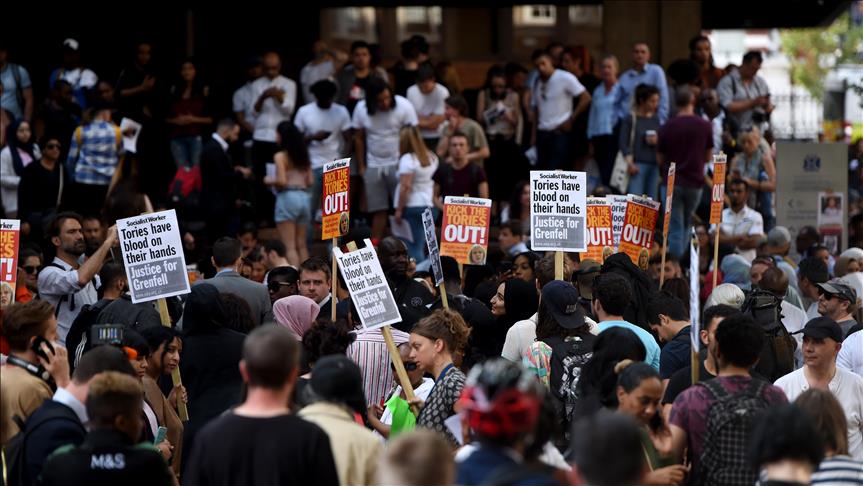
273 451
682 379
458 182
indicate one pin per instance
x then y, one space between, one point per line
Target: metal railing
796 116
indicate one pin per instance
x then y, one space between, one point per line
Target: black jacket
62 428
217 177
107 457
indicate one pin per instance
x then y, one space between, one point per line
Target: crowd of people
519 374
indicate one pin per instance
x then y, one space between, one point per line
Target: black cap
561 298
839 288
822 327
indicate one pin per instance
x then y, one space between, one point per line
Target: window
534 15
353 23
425 21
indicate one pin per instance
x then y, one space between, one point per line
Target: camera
107 334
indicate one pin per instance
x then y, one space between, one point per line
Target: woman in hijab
515 300
297 313
209 361
19 152
735 270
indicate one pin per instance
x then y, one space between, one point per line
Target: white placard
431 244
558 210
368 287
130 130
153 255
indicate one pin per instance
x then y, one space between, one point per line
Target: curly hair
325 338
446 325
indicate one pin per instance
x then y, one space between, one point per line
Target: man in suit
60 421
219 177
227 257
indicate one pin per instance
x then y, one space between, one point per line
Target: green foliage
814 52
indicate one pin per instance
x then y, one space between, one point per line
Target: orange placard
639 226
9 236
335 199
600 233
669 196
717 196
464 232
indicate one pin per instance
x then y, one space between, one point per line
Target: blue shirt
96 157
652 75
676 354
647 339
602 115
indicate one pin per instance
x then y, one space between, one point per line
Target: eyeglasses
275 286
31 269
52 146
827 295
409 366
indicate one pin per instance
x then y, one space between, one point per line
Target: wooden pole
662 268
696 365
335 284
558 265
715 256
444 301
175 375
395 356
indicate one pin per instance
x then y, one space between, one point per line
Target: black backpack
77 341
730 421
14 460
777 356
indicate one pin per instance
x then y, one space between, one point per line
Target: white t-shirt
422 189
422 392
848 390
519 337
429 104
382 130
747 222
851 355
311 74
272 112
812 311
244 101
311 119
553 98
793 318
79 77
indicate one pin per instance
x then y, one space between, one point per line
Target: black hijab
14 145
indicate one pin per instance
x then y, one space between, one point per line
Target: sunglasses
52 146
31 269
409 366
275 286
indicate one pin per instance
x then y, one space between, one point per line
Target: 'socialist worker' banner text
464 233
335 199
558 203
153 255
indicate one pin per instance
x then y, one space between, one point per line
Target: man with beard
64 283
411 296
94 233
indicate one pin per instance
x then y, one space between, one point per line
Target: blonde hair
410 142
417 458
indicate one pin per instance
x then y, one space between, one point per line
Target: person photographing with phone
36 366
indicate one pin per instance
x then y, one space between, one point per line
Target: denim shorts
293 205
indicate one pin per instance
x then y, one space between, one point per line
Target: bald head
272 64
393 255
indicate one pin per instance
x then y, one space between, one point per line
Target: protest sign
557 210
666 221
618 212
639 226
717 196
431 244
368 286
600 235
153 255
335 199
464 233
10 234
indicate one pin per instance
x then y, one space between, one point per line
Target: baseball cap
822 327
71 44
561 299
839 288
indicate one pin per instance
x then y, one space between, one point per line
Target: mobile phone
160 435
37 347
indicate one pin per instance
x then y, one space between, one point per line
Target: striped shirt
370 353
838 471
96 157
